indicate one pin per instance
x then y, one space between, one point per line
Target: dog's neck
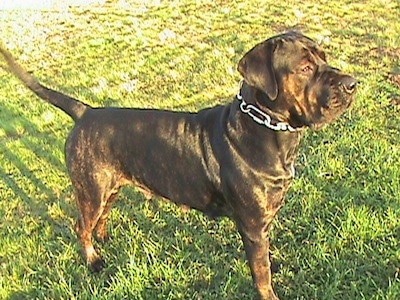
260 114
281 146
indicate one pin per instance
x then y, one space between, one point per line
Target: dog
233 160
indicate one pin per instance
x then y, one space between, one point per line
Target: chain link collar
254 112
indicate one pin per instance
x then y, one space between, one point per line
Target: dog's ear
257 68
321 54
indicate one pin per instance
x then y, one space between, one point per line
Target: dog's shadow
30 138
154 233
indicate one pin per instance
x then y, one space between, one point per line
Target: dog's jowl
232 160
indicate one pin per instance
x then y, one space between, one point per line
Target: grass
338 236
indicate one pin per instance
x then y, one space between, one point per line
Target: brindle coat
219 160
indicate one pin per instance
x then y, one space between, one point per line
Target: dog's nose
349 84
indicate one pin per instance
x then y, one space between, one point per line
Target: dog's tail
69 105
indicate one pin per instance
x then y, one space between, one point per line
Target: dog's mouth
339 102
334 101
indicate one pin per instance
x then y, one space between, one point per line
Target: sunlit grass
338 236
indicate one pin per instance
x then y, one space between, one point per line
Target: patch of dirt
394 78
392 53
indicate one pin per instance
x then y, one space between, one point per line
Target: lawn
338 236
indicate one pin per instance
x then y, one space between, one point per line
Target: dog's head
293 79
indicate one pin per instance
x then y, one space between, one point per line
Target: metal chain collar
254 112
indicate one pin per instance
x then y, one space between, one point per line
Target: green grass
338 236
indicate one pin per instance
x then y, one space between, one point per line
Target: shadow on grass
210 251
205 250
36 208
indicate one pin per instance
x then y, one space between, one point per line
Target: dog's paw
97 265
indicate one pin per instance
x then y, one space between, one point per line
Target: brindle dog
231 160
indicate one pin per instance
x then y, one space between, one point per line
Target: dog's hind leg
90 210
101 228
94 195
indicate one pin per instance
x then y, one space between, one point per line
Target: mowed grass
338 236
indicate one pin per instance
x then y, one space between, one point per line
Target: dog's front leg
257 252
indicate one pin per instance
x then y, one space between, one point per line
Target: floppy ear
256 66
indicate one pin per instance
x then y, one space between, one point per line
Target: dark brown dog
234 160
